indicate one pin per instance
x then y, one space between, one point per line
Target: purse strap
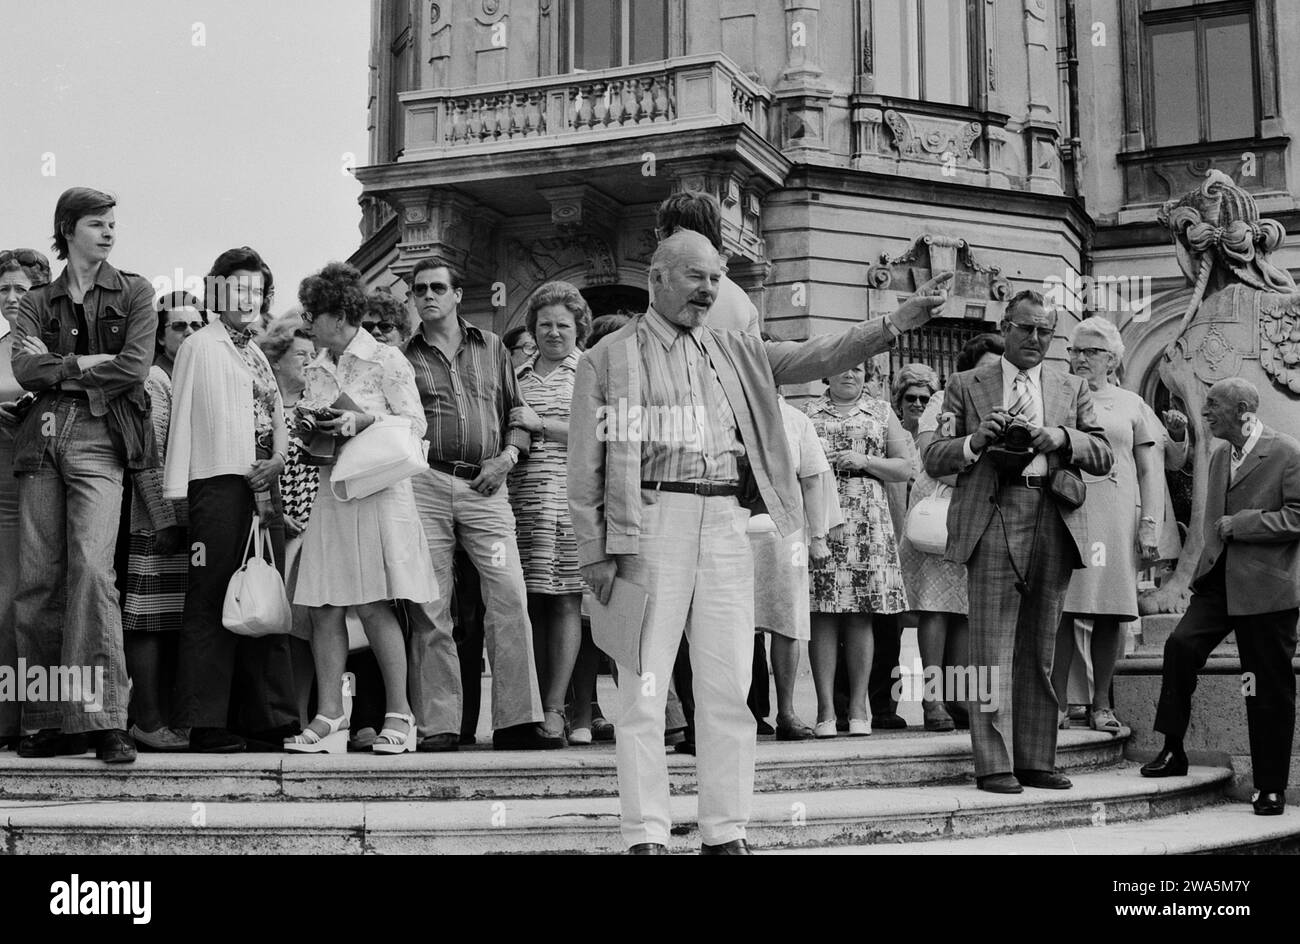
254 542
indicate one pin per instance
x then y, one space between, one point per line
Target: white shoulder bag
927 522
256 604
383 454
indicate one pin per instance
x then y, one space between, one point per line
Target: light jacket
604 464
212 430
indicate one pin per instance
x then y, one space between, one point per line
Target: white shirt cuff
971 455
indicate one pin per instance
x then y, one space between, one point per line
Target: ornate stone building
855 145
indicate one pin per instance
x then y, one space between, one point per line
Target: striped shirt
688 428
467 400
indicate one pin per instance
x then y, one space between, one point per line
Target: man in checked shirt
470 396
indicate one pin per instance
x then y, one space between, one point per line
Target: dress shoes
1170 762
764 729
51 742
438 743
468 740
114 747
685 747
525 737
215 741
1043 779
1269 804
648 848
735 847
999 783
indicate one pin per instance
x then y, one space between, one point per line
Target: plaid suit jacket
971 396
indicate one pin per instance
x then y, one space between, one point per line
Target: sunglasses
383 326
182 325
920 398
421 289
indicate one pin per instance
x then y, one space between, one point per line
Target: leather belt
853 473
1032 481
460 470
74 394
707 489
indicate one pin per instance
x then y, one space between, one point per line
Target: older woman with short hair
180 314
559 321
1123 511
366 551
21 270
913 388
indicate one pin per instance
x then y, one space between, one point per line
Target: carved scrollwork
435 12
880 275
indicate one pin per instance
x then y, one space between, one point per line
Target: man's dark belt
707 489
1030 481
461 470
853 473
74 394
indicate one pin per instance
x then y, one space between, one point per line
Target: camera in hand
1014 447
22 406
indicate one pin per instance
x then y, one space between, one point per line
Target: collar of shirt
824 404
666 331
363 346
1009 371
1250 442
106 277
468 333
238 338
570 363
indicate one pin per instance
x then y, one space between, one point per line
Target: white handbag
927 522
256 604
382 454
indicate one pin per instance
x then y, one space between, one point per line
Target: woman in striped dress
559 320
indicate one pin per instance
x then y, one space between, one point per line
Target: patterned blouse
266 395
378 378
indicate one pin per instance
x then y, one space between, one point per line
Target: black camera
1014 448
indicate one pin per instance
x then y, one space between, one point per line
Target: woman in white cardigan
226 451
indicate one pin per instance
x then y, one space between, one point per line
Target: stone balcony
690 92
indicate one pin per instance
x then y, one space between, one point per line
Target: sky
215 123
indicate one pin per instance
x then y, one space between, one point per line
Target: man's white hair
669 253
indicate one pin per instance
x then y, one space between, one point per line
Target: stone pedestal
1218 733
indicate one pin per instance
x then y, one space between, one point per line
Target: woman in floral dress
867 447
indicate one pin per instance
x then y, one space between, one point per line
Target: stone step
1157 627
894 759
789 819
1218 828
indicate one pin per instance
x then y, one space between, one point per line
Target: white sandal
392 741
825 729
334 741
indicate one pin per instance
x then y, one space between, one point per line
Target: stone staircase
904 792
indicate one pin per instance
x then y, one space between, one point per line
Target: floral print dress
862 575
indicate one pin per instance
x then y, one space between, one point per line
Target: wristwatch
895 331
512 451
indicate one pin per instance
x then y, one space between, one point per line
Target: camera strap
1022 583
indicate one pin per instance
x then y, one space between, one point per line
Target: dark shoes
889 721
1043 779
999 783
114 747
764 728
793 732
438 743
51 742
1170 762
685 747
1269 804
215 741
525 737
648 848
735 847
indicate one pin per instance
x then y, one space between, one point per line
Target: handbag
256 604
927 522
1067 487
384 453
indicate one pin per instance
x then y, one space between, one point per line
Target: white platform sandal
335 741
392 741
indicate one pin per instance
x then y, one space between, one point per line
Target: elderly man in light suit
1009 530
662 513
1247 581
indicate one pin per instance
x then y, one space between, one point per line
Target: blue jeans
68 516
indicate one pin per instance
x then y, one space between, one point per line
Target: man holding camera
1014 432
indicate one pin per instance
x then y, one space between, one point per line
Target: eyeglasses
1044 334
921 398
528 347
383 326
421 289
25 257
182 325
1088 352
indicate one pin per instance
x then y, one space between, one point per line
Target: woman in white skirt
365 552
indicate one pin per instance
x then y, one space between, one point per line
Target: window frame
976 59
1199 14
567 25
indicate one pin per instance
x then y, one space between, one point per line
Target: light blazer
604 464
971 396
1263 568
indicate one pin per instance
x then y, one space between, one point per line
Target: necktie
1237 454
1023 404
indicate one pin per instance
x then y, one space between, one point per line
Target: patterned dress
862 574
548 548
934 585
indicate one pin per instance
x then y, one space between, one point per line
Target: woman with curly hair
368 551
225 453
386 319
21 270
559 320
